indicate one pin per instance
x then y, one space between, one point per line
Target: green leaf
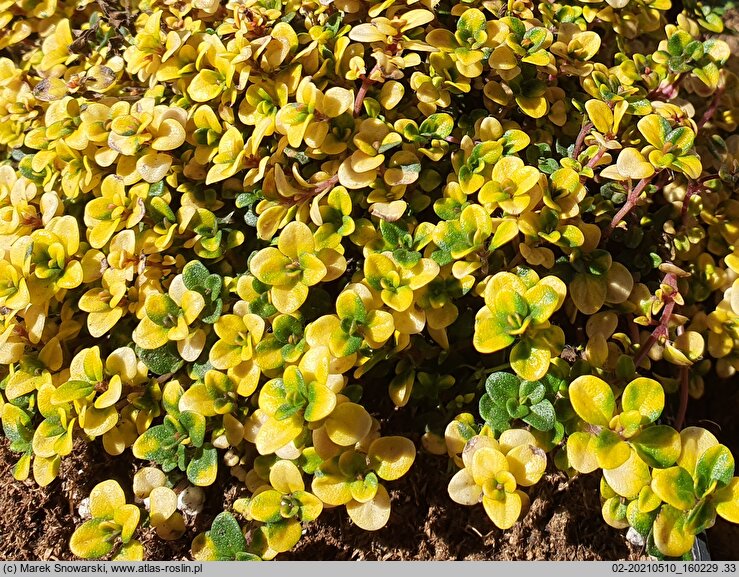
194 423
515 410
677 42
437 126
541 416
494 414
553 383
645 396
161 361
543 301
155 444
531 392
614 512
658 446
501 386
701 517
682 138
72 391
588 293
537 36
159 307
470 25
244 556
714 469
642 522
203 468
406 258
674 486
93 539
194 274
518 27
213 286
225 532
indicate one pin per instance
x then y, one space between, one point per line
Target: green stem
498 368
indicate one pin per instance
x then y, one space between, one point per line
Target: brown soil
563 523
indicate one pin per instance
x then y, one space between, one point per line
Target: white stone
634 537
190 501
83 509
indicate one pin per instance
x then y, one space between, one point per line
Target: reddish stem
662 329
581 139
628 205
598 155
711 110
644 349
362 93
667 91
683 408
693 188
328 183
592 162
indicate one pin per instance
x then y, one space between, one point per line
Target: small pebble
221 442
231 459
634 537
84 508
190 501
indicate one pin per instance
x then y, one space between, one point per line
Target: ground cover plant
226 225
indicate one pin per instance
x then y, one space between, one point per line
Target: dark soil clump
564 521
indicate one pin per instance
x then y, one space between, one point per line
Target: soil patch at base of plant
564 521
